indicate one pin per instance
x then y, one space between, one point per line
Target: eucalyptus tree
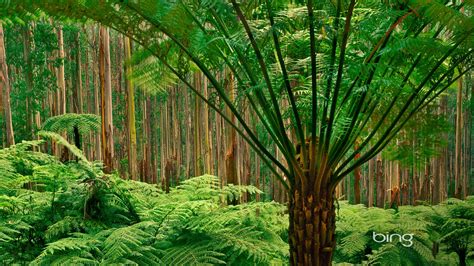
5 106
351 71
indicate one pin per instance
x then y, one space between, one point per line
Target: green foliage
149 74
73 213
36 78
360 82
85 123
430 226
455 222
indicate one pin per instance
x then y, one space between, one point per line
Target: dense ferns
429 225
54 213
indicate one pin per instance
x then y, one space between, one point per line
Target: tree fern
84 123
68 225
78 215
62 141
357 224
131 244
455 221
193 254
79 247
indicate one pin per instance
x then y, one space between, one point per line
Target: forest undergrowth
64 213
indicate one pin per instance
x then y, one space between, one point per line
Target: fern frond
84 123
194 254
60 140
131 244
78 247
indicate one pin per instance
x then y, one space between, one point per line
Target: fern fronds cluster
85 123
429 225
53 213
74 214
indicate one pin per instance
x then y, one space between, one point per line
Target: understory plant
54 213
57 213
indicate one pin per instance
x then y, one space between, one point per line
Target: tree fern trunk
462 257
312 226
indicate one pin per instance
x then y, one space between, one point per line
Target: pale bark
61 95
370 192
357 177
147 177
27 43
132 130
5 91
78 104
458 174
96 92
189 135
197 126
106 91
231 137
380 183
207 133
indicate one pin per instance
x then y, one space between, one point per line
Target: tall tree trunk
357 177
147 140
257 176
96 87
163 156
232 176
189 135
370 186
207 133
132 130
469 136
443 192
78 104
153 140
197 126
220 145
5 91
405 187
231 137
175 142
436 179
120 130
87 94
106 96
438 163
245 151
458 193
61 94
176 121
380 183
28 71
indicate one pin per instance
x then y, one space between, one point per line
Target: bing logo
406 239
